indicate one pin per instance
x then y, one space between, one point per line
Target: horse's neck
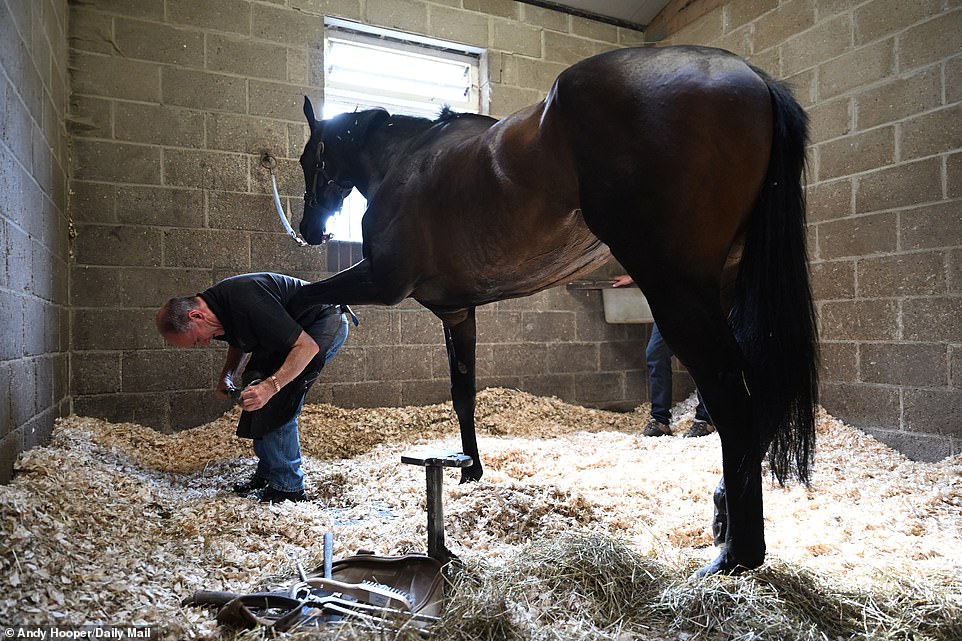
384 146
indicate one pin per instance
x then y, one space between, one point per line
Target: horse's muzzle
313 226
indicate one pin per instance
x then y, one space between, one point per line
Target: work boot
700 428
656 428
272 495
246 487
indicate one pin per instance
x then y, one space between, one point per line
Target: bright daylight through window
405 74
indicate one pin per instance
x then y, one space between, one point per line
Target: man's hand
256 396
623 280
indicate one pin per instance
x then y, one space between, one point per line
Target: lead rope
269 162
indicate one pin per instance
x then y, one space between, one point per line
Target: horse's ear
364 120
309 113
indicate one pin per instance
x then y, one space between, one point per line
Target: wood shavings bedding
115 523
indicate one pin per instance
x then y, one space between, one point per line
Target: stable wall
172 104
882 83
33 223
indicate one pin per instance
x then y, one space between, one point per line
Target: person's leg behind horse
658 358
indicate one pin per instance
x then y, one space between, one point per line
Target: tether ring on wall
269 162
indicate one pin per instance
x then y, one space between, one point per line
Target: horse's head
330 162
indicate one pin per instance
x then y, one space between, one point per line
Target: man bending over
250 313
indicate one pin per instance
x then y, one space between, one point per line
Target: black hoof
724 564
472 474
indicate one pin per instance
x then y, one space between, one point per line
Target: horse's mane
419 123
448 114
408 126
445 115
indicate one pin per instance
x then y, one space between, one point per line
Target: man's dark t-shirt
251 308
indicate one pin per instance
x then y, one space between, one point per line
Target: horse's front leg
460 334
353 286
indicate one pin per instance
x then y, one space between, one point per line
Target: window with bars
404 73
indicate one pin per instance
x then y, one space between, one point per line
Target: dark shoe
700 428
253 483
657 428
271 495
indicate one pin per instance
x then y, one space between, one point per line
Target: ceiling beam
590 15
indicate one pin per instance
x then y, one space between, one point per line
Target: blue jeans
658 356
279 457
279 451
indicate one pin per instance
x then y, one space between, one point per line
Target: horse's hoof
723 564
471 474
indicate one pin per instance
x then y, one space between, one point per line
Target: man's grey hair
172 318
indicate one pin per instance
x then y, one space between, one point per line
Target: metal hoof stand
434 465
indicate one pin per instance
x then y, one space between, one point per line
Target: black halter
329 185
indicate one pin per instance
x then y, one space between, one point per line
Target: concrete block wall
881 82
173 102
33 223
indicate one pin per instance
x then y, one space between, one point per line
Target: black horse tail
773 316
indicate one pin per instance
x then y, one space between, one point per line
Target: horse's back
654 99
656 69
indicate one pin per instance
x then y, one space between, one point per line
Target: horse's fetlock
472 474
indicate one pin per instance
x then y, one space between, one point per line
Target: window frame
344 95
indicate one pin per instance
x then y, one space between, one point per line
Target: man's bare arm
255 397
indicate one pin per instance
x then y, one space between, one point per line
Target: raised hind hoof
724 564
472 474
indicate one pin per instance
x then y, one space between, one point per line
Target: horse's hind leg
692 322
460 331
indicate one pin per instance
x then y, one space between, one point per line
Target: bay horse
684 162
